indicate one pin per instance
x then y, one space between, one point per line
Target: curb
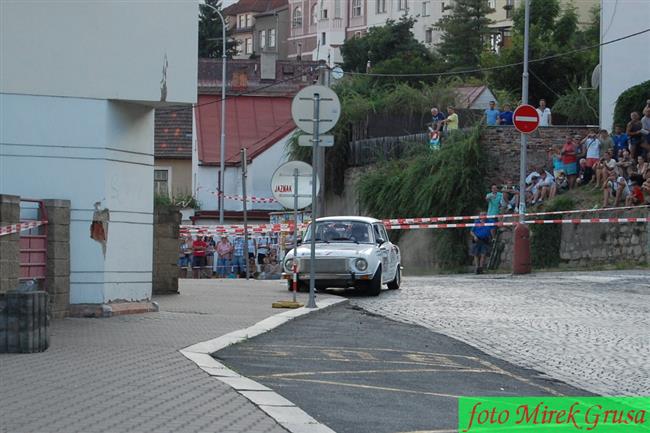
283 411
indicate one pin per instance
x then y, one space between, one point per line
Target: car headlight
288 264
361 264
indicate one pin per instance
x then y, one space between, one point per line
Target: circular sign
302 109
284 180
525 118
337 73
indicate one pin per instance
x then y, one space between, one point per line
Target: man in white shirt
544 114
542 188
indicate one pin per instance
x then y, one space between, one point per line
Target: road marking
336 372
306 358
521 379
380 388
371 349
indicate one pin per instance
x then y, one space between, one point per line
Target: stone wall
9 244
57 277
502 143
166 222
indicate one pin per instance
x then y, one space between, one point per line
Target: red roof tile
253 122
243 6
173 133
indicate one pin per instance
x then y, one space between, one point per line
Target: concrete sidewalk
125 374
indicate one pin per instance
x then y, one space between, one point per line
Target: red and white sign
525 118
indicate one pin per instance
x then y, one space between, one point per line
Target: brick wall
57 277
502 144
165 250
9 244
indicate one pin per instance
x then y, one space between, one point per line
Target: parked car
351 252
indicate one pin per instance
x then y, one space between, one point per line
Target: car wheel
394 285
374 286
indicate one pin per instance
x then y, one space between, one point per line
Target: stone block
58 250
57 267
52 203
166 246
58 215
58 233
59 302
58 284
8 283
168 231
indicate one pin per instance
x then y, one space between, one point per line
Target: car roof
360 219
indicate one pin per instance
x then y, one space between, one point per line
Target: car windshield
341 231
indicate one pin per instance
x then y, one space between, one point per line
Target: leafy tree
633 99
390 48
552 31
210 33
465 33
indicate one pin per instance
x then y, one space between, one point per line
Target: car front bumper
348 279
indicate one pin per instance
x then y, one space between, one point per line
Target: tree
390 48
210 33
552 31
465 33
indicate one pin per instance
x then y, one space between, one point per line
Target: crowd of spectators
203 256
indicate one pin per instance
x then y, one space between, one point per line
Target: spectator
544 114
624 164
642 166
199 247
185 254
436 119
238 260
591 146
209 252
252 248
494 199
569 159
606 143
603 168
481 237
636 194
561 184
263 244
646 188
491 114
556 159
505 117
224 253
634 134
616 188
645 127
542 188
585 174
451 122
620 139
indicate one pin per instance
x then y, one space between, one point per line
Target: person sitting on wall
481 238
561 184
624 164
542 189
620 140
636 197
616 188
602 169
586 173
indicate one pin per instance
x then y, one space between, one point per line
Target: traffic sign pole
314 205
296 175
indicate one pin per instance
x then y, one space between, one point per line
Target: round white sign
302 109
283 184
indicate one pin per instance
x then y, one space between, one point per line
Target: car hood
334 249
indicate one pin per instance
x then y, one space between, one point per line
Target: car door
384 253
392 256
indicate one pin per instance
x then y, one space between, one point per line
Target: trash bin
23 320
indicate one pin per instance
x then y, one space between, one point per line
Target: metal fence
372 150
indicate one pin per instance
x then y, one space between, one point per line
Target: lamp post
222 148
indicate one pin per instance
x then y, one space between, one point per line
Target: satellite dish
595 77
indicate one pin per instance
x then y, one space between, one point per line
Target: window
297 17
425 9
402 5
337 8
492 4
272 38
323 40
314 14
509 7
248 46
356 8
442 7
357 34
262 39
380 7
161 182
249 20
242 22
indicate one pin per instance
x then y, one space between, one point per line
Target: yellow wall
181 175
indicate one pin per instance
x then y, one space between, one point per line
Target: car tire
374 285
394 285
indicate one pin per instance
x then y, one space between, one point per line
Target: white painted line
283 411
527 119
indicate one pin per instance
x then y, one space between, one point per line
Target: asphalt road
359 373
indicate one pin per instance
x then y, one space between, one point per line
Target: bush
546 239
633 99
577 107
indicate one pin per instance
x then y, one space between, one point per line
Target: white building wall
625 63
260 172
77 85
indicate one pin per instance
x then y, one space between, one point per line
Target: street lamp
222 149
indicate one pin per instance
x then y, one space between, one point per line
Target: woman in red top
570 160
199 247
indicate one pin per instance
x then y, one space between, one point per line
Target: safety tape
402 221
238 229
513 223
16 228
249 198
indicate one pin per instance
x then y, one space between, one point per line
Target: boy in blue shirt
505 117
620 139
491 114
481 237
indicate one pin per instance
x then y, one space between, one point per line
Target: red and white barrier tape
249 198
410 221
237 229
513 223
16 228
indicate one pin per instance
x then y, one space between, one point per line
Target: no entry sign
525 118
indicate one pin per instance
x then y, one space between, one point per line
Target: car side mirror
299 241
380 241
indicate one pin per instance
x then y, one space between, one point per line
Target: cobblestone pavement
591 330
125 374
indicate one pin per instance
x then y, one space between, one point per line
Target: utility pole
324 80
524 100
244 173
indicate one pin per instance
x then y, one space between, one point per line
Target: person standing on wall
544 114
451 122
505 117
492 114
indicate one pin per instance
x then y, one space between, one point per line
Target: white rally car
351 251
